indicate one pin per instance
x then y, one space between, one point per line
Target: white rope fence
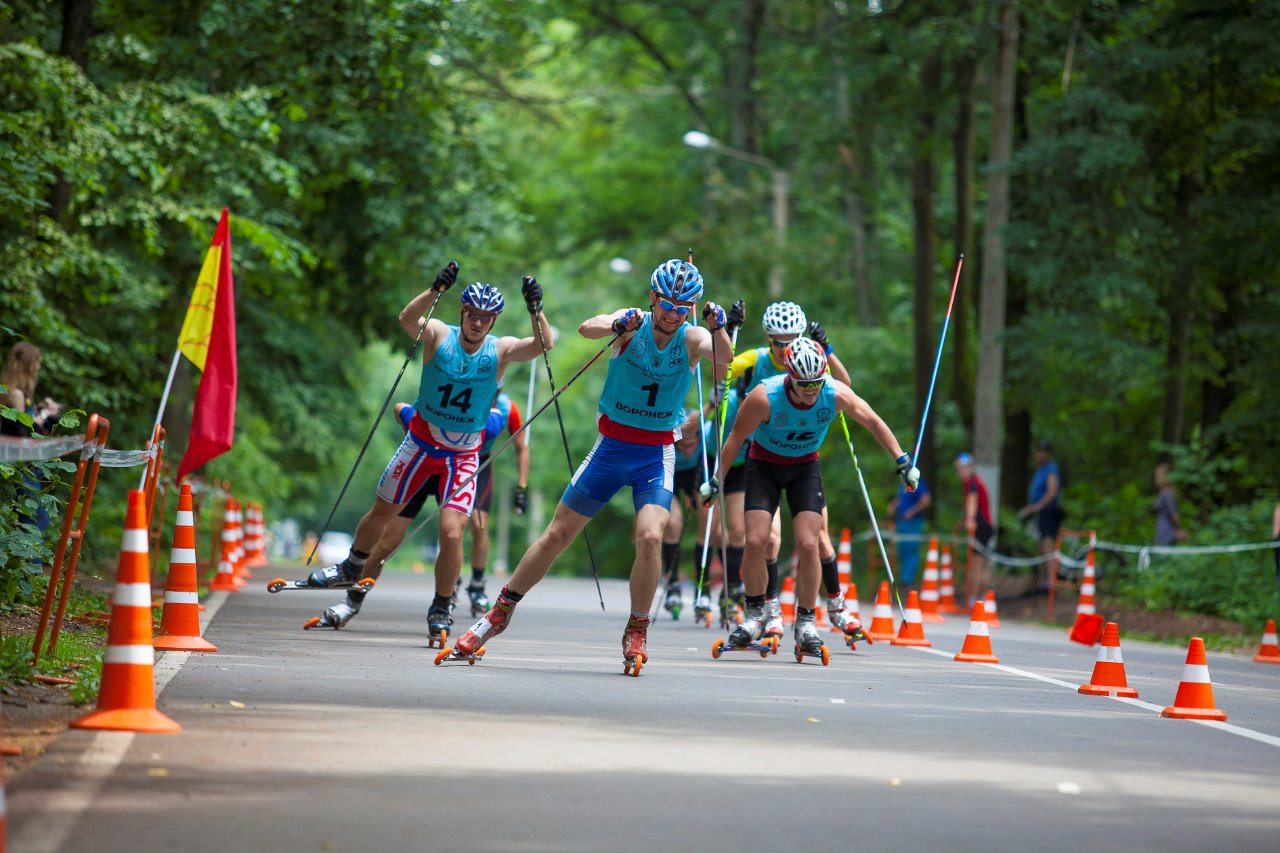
44 449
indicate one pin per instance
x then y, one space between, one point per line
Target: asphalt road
355 741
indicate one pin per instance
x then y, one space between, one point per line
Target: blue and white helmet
483 297
783 318
677 279
805 360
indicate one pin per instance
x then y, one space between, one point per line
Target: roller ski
773 627
843 620
809 642
335 617
479 601
748 636
439 621
702 610
470 646
340 576
634 639
674 601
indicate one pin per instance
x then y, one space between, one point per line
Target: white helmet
805 360
784 318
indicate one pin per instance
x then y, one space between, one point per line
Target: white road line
47 826
1270 740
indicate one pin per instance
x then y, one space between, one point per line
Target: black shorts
982 532
686 483
484 486
414 505
736 480
1049 521
766 481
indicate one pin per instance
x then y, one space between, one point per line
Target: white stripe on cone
913 615
132 595
134 542
979 629
1109 654
1087 609
181 597
137 655
1268 639
183 555
1196 673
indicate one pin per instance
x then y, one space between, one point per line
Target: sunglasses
809 384
667 305
776 344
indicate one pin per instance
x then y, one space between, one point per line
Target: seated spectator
19 378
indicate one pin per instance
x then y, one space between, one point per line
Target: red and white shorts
409 469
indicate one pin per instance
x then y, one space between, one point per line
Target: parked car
334 547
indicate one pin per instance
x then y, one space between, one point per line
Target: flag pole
164 401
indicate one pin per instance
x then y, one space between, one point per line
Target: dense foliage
359 145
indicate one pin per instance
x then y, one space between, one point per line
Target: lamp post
780 184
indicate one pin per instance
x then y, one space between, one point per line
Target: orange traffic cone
820 618
947 593
1195 692
977 643
844 558
882 616
1087 604
911 633
787 598
1108 671
993 619
238 559
1268 650
226 580
180 621
929 590
257 536
127 700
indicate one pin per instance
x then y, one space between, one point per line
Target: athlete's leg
807 527
449 560
479 541
651 521
759 524
536 562
392 535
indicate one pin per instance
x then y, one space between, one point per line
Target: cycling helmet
784 318
805 360
483 297
677 279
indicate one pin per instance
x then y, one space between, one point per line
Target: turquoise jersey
790 430
646 386
762 370
711 431
693 460
455 386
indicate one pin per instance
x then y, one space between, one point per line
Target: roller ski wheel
767 646
280 585
438 640
314 622
858 636
632 667
448 655
824 655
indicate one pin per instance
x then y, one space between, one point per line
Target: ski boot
748 636
702 611
809 641
439 621
845 622
335 617
674 601
773 626
479 601
338 576
470 646
634 638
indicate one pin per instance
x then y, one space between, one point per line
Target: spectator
1046 505
908 510
19 378
977 521
1168 528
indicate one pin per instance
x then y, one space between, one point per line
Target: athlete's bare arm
753 412
601 325
525 349
699 343
860 410
838 370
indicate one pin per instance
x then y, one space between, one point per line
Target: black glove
737 316
520 499
713 315
708 491
623 324
446 277
532 293
819 336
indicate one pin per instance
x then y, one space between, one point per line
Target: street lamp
780 183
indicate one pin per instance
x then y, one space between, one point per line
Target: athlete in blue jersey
786 418
461 368
640 411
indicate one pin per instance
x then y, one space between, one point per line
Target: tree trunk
1181 299
77 27
923 307
742 75
1219 391
989 406
854 207
962 244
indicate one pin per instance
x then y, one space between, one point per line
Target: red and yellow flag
208 338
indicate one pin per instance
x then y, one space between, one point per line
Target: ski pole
564 436
844 425
706 536
408 358
494 455
937 360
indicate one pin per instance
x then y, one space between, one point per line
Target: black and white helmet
784 318
805 361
